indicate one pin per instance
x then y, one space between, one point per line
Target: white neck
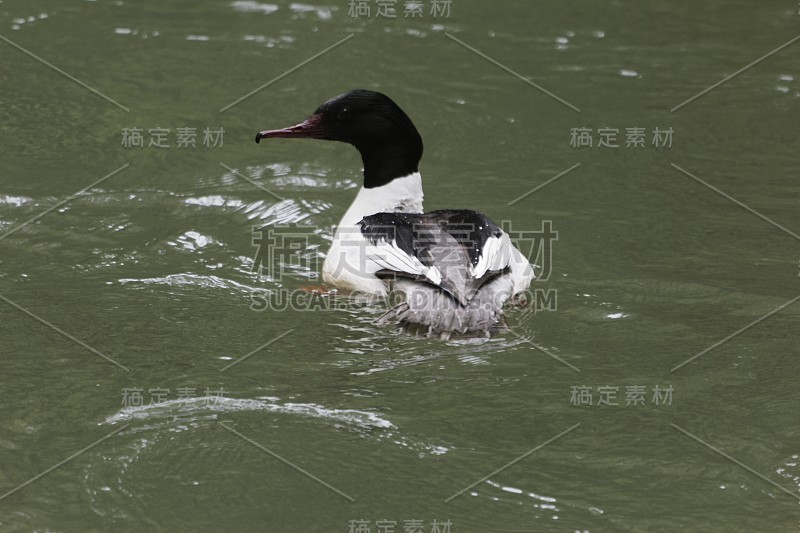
401 195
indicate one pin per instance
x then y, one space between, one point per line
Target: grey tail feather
399 312
447 318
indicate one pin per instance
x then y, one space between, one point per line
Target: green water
152 268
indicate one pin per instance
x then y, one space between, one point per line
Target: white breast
346 265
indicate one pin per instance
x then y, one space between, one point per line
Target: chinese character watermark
284 249
537 247
391 9
635 137
184 137
615 396
395 526
290 252
139 397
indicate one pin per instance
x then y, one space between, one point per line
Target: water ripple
177 409
194 280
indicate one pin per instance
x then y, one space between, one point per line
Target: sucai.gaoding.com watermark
289 253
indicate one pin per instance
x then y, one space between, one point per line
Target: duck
453 269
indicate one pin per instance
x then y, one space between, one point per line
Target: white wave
182 406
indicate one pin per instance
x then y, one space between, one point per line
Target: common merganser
455 268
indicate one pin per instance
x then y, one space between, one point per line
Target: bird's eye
344 114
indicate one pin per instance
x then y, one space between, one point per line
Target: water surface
153 268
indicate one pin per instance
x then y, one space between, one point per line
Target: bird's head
389 144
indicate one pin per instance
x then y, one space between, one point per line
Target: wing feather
456 250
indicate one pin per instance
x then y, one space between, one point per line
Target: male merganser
455 268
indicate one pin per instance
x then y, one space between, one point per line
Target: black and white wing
457 250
